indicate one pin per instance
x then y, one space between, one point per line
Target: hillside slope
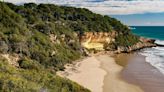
38 40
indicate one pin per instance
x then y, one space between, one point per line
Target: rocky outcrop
146 40
143 43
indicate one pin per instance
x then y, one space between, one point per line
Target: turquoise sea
155 55
156 32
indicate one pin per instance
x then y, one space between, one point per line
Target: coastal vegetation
45 37
32 77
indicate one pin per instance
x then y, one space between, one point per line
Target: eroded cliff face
96 40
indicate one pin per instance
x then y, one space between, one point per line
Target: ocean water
155 55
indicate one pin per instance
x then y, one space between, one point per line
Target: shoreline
143 74
112 80
98 73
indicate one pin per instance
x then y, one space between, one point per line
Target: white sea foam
159 48
159 42
155 56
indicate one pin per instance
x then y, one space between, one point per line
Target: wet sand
123 58
141 73
112 80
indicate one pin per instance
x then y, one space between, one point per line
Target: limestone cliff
96 40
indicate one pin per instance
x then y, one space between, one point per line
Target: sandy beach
99 74
86 73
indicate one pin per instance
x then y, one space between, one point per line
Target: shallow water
155 55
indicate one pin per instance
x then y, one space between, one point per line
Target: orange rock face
98 37
96 40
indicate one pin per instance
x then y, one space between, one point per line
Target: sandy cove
99 74
86 73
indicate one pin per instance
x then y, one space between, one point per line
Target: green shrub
29 64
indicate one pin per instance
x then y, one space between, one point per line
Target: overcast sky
130 12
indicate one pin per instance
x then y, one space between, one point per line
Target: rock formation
97 40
